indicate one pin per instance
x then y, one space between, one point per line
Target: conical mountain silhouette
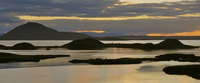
36 31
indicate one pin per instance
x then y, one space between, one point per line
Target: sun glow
92 31
193 33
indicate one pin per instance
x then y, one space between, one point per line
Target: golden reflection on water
43 76
84 76
184 79
89 74
114 53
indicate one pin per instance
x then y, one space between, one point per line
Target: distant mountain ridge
1 34
73 35
103 34
36 31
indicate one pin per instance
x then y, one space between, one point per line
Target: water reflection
62 42
94 74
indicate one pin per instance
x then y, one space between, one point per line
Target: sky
131 17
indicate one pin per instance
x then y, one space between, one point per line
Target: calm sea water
59 70
62 42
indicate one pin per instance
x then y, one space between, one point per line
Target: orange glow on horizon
92 31
194 33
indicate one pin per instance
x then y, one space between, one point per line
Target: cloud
55 7
75 15
92 18
193 33
126 26
96 8
9 19
190 15
91 31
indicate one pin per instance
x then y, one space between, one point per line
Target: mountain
36 31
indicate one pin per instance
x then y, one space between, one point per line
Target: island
190 70
165 57
23 46
167 44
9 57
85 44
99 61
94 44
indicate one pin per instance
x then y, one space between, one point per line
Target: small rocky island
85 44
20 46
24 46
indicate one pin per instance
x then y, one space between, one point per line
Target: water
59 70
62 42
141 73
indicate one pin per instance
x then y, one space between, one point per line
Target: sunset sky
131 17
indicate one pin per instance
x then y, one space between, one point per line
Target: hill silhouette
84 44
36 31
172 44
24 46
